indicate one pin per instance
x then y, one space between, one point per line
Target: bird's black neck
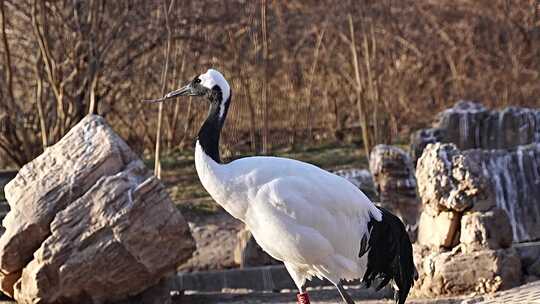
211 129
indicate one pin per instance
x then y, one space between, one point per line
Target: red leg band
302 298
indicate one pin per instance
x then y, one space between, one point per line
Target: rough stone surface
470 125
54 179
88 223
438 230
393 174
215 236
451 272
490 229
447 180
504 146
248 253
482 180
515 179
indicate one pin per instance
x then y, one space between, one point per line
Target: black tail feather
390 256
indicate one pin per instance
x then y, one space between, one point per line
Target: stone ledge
265 278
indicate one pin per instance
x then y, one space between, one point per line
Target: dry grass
302 72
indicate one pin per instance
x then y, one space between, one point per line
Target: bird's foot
302 298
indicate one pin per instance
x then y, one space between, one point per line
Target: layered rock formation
461 224
469 125
88 223
505 145
393 174
515 178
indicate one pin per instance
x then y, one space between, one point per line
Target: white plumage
317 223
297 212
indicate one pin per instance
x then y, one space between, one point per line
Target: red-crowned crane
317 223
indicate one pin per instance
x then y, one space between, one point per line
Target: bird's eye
197 80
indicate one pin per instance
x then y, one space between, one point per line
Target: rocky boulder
480 180
88 223
393 174
461 225
450 272
248 253
449 181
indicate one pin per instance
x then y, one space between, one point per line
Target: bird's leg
346 297
299 281
302 297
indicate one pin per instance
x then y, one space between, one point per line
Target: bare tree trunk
157 162
39 104
9 68
265 143
371 93
93 69
251 108
310 84
187 123
361 111
50 67
93 107
176 111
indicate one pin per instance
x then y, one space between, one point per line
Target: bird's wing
306 216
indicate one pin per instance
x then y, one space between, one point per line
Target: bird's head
211 84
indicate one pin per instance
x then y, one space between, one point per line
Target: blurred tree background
301 72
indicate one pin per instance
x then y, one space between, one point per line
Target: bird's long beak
185 91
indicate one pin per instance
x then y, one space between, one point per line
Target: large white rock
88 223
